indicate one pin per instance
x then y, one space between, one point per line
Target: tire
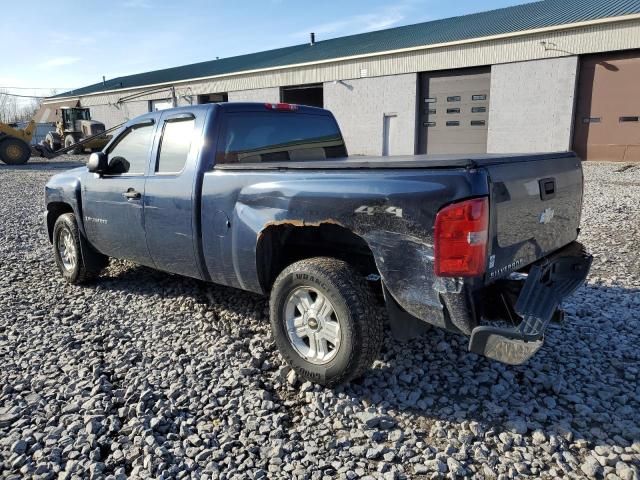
70 140
81 263
353 309
53 140
14 151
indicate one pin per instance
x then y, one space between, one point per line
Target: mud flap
547 284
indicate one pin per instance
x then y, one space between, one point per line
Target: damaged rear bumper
547 283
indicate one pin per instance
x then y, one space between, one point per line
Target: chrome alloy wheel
312 325
67 249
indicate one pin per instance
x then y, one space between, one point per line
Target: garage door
454 112
607 125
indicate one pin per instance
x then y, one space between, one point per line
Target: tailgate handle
547 188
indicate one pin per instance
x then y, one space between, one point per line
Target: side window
175 145
131 153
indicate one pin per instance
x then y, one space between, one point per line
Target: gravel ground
146 374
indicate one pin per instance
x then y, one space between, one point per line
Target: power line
23 96
39 88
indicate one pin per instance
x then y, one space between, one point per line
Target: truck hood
68 177
64 187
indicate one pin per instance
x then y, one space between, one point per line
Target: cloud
59 62
385 17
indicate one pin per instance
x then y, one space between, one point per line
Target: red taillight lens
289 107
461 239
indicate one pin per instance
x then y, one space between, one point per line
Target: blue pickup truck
263 197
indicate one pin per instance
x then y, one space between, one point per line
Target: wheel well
54 210
281 245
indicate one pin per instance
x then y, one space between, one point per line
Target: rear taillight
289 107
461 238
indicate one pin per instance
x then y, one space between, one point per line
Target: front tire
324 320
77 261
70 140
14 151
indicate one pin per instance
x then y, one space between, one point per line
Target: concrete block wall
360 105
532 105
271 95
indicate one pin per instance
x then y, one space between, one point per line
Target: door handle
132 194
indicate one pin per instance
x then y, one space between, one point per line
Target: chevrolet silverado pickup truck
264 198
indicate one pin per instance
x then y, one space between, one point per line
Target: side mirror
97 162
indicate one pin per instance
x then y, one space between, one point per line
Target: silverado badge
547 215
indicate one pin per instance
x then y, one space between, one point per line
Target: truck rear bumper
547 283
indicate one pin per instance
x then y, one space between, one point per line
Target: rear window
255 137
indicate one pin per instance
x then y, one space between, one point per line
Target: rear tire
325 321
14 151
77 261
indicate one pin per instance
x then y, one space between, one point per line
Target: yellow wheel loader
14 143
76 126
16 150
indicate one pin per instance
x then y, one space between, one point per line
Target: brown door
454 112
607 125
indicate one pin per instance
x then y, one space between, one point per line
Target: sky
68 44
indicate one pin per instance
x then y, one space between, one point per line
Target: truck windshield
279 136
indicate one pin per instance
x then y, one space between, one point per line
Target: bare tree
13 110
8 107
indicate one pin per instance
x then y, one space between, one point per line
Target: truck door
113 203
169 203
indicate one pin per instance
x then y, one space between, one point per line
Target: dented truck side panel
393 211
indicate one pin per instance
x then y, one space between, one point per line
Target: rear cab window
258 137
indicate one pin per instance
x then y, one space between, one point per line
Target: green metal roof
546 13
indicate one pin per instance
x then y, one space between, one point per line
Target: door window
175 145
131 153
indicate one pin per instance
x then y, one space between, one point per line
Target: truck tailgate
535 210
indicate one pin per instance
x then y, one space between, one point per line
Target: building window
478 109
430 100
213 98
629 119
478 123
431 111
428 124
455 98
453 110
591 120
478 97
453 124
311 95
156 105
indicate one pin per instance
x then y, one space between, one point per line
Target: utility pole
174 99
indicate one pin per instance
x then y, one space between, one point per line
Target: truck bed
404 161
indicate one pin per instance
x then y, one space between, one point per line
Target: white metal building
546 76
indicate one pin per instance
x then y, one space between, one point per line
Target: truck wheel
14 151
324 320
70 140
76 259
